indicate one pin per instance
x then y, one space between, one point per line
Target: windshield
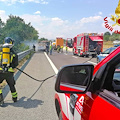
109 50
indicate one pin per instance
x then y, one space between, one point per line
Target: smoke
31 43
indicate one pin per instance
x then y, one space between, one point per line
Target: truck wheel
87 56
79 54
60 116
93 55
73 52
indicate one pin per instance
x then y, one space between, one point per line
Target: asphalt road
35 99
61 59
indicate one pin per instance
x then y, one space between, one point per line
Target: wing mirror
74 78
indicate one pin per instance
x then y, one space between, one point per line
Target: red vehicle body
84 44
100 100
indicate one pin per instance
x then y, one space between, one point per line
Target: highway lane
61 59
35 100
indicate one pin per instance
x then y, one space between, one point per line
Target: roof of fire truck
90 34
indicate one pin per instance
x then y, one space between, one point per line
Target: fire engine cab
69 42
85 92
84 44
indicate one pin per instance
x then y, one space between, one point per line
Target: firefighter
6 69
47 48
61 49
58 48
34 47
98 49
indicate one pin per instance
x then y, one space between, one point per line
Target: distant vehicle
101 56
59 42
84 44
42 46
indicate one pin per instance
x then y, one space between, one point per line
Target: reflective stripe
1 68
0 59
0 91
10 69
14 95
12 57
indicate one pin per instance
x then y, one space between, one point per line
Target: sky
62 18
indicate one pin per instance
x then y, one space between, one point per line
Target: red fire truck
84 44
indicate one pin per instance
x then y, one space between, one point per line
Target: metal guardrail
21 55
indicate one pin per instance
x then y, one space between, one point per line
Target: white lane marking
51 63
92 62
74 56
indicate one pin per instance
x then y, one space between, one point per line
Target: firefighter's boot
1 99
14 97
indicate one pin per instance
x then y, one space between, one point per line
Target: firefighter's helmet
8 42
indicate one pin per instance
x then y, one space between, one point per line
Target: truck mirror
74 78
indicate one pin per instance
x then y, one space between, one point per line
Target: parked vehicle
84 44
102 55
42 46
85 92
69 42
59 42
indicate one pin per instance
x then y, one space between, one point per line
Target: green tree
17 29
1 31
42 39
107 33
112 38
106 36
116 36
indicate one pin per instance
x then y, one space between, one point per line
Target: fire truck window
106 51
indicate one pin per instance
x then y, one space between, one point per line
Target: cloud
90 19
100 13
37 12
56 21
56 27
51 28
11 2
3 15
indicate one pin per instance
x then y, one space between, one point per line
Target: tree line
107 36
111 37
16 28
